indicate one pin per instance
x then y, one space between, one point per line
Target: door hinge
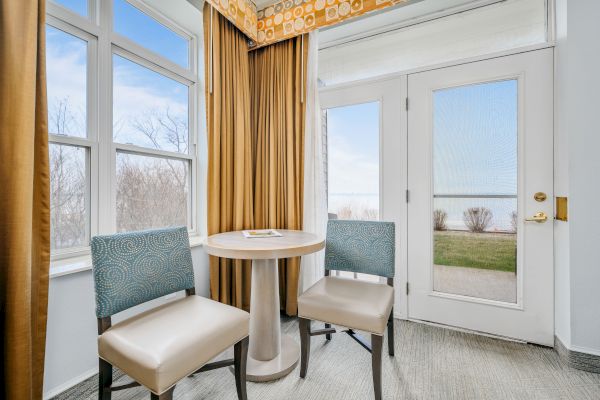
407 104
407 289
407 195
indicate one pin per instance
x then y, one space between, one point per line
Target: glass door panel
475 175
352 137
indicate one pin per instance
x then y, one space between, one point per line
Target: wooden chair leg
240 357
304 345
105 380
328 335
390 334
377 348
168 395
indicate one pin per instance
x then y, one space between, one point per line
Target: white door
365 147
480 166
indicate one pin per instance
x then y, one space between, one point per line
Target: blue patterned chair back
366 247
135 267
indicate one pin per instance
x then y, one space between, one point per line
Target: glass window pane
475 133
353 161
68 188
149 109
78 6
152 192
145 30
66 63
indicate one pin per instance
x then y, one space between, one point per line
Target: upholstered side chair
366 247
159 347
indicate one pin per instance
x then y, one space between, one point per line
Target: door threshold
463 330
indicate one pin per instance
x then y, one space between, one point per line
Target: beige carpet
431 363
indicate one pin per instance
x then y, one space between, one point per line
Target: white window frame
103 42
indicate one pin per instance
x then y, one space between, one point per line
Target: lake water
359 203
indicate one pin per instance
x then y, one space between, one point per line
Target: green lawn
495 251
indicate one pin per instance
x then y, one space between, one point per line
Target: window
134 24
77 6
122 151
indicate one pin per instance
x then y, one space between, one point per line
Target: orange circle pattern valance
290 18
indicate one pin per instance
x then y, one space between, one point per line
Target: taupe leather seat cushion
351 303
159 347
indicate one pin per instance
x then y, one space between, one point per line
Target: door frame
401 278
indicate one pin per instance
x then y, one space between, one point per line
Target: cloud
350 170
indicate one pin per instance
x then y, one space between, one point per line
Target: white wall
583 124
562 299
490 29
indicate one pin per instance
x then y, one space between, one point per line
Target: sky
353 149
139 94
140 28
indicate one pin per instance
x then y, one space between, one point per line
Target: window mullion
106 154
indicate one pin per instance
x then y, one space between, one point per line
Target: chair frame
240 351
375 348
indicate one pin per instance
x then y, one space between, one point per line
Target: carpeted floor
431 363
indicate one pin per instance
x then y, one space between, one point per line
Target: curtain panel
230 176
24 199
256 119
277 82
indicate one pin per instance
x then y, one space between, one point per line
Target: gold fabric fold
277 81
24 199
230 181
255 123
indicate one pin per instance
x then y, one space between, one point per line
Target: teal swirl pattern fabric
366 247
135 267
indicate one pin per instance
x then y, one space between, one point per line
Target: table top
290 244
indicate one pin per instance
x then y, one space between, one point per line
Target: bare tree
439 220
514 218
355 212
153 192
67 183
477 219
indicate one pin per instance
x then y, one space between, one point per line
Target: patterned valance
242 13
290 18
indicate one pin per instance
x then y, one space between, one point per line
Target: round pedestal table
270 354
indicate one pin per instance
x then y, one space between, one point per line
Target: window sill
73 265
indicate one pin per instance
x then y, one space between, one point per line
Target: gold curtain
255 119
277 82
230 185
24 198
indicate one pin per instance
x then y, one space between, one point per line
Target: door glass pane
66 63
68 188
152 192
353 161
353 165
132 23
475 136
149 109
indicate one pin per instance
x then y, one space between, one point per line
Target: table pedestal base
283 364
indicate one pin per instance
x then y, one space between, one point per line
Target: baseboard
577 359
69 384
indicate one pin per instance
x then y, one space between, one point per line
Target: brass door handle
539 217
